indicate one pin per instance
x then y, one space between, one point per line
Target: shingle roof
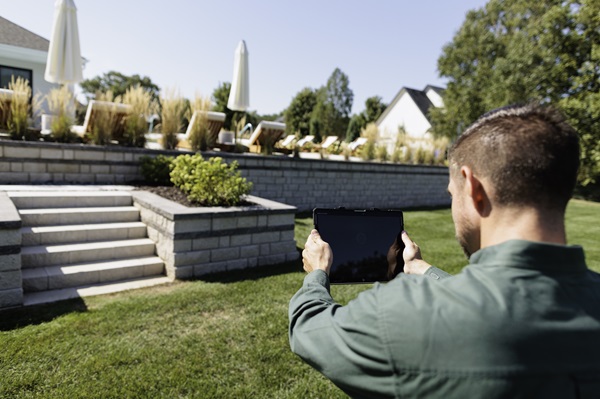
421 99
15 35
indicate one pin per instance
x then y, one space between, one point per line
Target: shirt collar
534 255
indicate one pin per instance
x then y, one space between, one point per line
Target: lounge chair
286 142
359 142
215 123
329 141
305 140
266 134
118 113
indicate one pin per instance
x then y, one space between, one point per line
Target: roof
15 35
418 96
437 89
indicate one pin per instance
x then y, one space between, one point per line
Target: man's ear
475 190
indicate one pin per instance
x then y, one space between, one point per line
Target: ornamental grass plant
59 102
107 122
172 112
20 112
142 106
199 138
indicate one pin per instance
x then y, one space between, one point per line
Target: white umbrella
239 96
64 54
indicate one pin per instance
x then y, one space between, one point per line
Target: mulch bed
176 195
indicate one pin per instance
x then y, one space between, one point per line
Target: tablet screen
360 241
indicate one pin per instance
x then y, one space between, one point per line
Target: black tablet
361 240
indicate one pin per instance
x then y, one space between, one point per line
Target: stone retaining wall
197 241
303 183
11 291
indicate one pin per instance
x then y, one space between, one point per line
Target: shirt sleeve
342 342
437 274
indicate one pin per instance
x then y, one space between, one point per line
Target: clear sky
189 45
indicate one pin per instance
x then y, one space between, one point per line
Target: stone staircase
82 243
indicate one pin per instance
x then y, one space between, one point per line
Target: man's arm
344 343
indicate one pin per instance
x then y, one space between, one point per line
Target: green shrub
209 182
157 170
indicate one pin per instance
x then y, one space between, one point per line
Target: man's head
528 155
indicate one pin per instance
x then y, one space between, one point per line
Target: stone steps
80 243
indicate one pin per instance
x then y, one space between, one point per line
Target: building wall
40 85
404 113
303 183
435 98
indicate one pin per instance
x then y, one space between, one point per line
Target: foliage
199 134
297 115
59 101
368 150
19 109
220 97
381 153
331 114
173 109
118 84
209 182
142 106
106 122
513 51
374 107
157 170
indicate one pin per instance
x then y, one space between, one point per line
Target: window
6 73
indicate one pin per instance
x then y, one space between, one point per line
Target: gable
14 35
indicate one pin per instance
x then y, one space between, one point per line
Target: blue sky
189 45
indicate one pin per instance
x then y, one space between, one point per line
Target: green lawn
220 338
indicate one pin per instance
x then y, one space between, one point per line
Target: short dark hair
529 153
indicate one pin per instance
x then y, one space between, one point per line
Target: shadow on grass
15 318
256 273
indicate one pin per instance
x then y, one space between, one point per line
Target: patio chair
117 113
329 141
304 141
359 142
266 134
215 123
286 142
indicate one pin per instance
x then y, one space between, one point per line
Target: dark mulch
176 195
171 193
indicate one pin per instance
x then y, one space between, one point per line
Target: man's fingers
406 239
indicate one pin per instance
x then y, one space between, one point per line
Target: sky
189 45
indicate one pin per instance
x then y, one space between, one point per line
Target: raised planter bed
196 241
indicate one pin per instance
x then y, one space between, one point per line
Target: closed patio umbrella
64 54
239 96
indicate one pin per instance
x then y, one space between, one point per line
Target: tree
118 84
220 98
514 51
374 107
297 115
331 114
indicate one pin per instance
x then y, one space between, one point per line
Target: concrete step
74 275
36 298
68 216
52 255
48 235
69 199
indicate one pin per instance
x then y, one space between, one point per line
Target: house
409 109
23 54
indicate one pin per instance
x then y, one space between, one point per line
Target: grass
222 337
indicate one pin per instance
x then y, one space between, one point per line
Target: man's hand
317 254
413 262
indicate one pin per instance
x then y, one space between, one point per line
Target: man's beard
463 245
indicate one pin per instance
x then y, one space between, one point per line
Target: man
522 320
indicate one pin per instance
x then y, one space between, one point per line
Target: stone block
63 168
224 242
35 167
282 247
240 240
265 249
271 259
226 223
114 156
204 243
10 262
209 268
104 169
191 258
51 153
10 280
182 245
4 166
89 155
238 264
22 152
68 154
222 254
281 220
182 273
249 251
192 225
10 298
247 222
265 237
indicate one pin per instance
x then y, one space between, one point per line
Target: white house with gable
410 110
23 54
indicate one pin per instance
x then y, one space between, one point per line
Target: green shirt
521 321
